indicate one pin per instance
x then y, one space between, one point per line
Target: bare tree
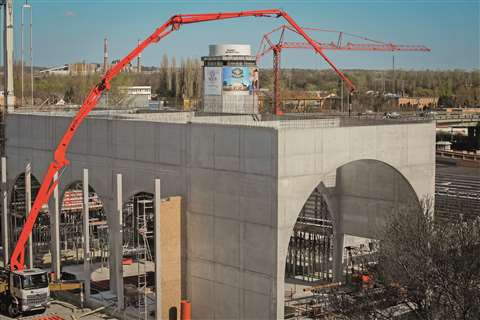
164 76
430 270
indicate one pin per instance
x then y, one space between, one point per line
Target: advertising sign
213 81
239 80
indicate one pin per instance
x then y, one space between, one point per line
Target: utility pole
26 7
9 96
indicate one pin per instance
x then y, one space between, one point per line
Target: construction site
234 210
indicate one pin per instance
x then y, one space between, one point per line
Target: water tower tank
230 79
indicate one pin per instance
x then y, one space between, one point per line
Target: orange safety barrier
186 310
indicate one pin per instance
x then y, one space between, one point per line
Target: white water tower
230 80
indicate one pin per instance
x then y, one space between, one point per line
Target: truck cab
28 291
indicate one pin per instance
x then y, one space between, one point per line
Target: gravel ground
58 312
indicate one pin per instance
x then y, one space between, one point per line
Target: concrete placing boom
49 183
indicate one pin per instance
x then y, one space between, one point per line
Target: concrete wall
243 186
232 222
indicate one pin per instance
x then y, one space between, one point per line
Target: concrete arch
312 181
97 210
17 213
360 195
313 238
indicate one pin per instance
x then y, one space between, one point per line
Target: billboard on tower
238 80
212 81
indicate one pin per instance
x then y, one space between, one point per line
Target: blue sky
68 31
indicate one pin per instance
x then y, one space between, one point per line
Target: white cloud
69 14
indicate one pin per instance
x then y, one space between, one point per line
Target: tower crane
12 287
267 45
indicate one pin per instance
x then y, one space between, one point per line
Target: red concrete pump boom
49 183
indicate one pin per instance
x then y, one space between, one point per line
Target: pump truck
28 289
25 290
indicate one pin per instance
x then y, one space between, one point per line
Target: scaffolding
41 231
71 226
310 251
143 254
138 218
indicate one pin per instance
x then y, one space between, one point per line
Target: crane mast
60 161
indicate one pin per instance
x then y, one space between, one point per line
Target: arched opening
18 213
310 250
172 313
139 250
332 235
72 241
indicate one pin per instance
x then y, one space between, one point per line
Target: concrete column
8 55
117 254
28 207
54 210
86 234
5 239
158 251
338 257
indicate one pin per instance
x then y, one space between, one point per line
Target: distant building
137 97
418 102
128 68
73 69
145 91
444 145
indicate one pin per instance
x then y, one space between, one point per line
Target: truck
23 291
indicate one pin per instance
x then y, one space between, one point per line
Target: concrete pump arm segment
49 183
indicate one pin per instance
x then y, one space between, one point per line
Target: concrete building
418 102
243 183
73 69
136 97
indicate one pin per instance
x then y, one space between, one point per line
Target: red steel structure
60 161
268 45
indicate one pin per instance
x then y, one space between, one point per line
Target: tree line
455 88
172 79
